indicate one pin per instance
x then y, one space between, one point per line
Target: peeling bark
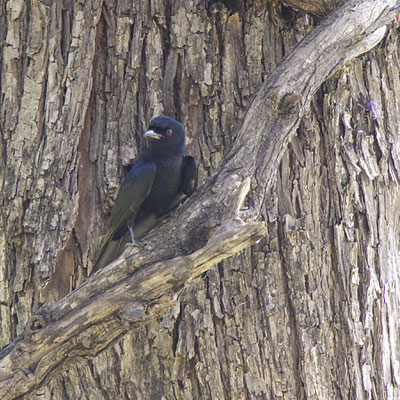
320 8
105 307
308 312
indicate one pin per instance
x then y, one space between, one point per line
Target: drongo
159 180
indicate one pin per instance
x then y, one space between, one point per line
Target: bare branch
316 7
208 228
105 307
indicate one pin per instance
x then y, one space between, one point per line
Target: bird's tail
109 251
112 249
145 221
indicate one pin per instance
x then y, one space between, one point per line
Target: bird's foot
136 243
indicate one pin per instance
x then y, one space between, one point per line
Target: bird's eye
168 132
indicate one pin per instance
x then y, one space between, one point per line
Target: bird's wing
133 191
189 176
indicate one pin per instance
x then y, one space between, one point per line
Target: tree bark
327 235
320 8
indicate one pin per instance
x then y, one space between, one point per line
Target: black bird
159 180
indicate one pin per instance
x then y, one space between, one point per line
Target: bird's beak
153 135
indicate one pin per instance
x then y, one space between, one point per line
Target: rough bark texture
319 8
309 312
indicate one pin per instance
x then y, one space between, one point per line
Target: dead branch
208 228
316 7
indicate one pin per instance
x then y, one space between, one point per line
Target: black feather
189 176
156 184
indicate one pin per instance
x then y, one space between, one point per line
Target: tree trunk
308 312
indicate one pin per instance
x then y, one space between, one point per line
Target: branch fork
91 318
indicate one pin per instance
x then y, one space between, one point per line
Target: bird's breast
165 186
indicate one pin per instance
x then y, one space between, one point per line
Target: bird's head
165 135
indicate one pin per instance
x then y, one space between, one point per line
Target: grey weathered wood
105 307
317 7
308 312
280 102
